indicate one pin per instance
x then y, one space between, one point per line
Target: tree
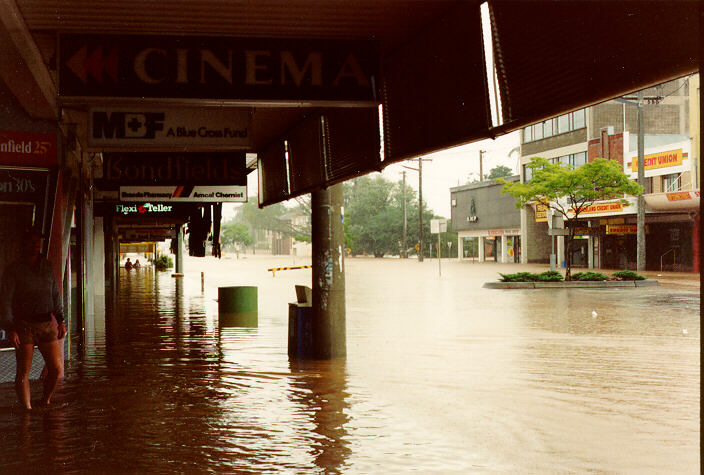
500 171
274 218
374 216
235 233
569 191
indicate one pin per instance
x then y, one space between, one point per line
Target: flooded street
441 376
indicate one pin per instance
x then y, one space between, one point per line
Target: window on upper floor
558 125
574 159
671 182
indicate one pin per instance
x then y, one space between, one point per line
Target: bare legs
23 356
53 362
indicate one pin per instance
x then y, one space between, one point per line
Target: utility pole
640 216
404 248
640 223
481 165
420 201
420 207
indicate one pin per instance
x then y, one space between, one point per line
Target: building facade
606 236
486 221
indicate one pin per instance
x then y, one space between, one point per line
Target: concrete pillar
504 249
329 326
460 248
590 253
524 236
480 248
179 250
560 250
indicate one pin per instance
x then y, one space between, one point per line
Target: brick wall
615 148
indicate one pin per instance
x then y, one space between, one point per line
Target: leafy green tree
569 191
235 233
374 216
274 218
500 171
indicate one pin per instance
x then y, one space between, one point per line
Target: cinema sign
240 69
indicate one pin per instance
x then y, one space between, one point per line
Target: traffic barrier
274 269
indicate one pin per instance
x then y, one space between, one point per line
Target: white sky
449 168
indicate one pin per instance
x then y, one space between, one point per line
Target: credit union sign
242 69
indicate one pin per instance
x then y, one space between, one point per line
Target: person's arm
57 308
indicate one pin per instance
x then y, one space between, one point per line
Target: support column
695 243
329 331
590 252
179 250
480 248
504 249
460 248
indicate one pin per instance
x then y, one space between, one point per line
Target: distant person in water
136 263
32 305
128 264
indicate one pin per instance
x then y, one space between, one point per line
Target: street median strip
571 284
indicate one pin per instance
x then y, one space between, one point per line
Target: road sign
438 226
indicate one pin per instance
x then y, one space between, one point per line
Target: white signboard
438 226
158 127
193 194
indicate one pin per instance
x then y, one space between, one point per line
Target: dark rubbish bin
237 306
300 325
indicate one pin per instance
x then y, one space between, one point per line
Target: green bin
237 306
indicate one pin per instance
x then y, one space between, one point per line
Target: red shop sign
27 148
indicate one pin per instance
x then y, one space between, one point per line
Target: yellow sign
541 215
682 195
602 208
621 229
660 160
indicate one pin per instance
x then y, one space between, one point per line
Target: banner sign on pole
241 69
201 127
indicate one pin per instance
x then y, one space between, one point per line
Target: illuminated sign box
27 148
143 168
242 69
193 194
201 127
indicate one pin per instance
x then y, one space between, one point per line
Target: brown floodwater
441 376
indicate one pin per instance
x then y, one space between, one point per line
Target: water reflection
441 376
319 388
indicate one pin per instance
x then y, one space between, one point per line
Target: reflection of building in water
323 396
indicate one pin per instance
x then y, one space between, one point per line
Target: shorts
33 333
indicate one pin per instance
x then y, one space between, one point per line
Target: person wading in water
33 308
